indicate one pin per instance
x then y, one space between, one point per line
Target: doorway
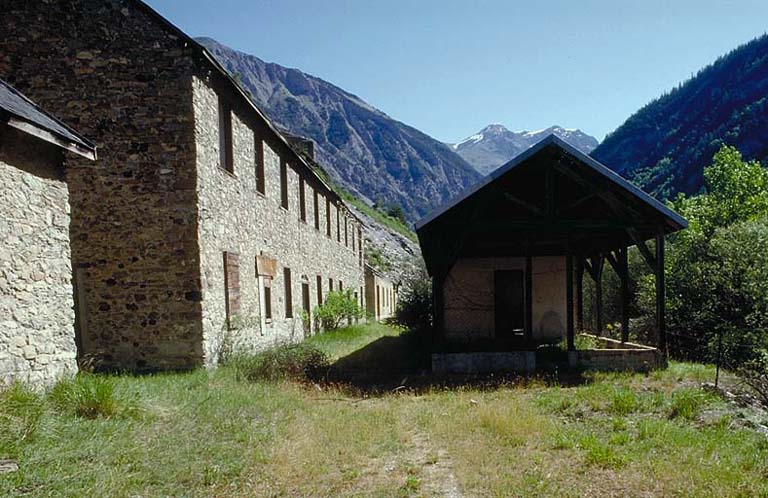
509 304
305 306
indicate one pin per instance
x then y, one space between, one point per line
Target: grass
214 433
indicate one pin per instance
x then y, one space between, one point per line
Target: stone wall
469 297
380 296
37 318
118 76
235 217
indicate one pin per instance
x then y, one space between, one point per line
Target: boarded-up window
268 298
360 245
317 210
319 290
231 287
328 217
226 161
258 145
288 293
338 224
302 200
283 184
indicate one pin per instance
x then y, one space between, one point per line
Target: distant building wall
235 217
380 295
469 297
37 318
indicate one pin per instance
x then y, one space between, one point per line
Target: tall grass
93 396
21 410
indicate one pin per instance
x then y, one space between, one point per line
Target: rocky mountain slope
665 146
494 145
367 152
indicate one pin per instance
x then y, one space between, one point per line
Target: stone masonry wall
236 218
37 319
115 74
469 297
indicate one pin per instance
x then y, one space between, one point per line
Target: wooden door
509 304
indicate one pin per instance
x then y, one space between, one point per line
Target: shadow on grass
403 363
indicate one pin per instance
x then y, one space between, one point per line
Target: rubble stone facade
37 316
153 217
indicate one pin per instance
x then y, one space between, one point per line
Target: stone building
380 295
508 256
199 228
37 318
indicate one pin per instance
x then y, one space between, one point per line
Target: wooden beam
528 205
647 254
624 276
614 202
577 202
660 294
438 310
569 301
613 261
529 298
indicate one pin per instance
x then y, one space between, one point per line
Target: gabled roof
18 111
214 64
676 220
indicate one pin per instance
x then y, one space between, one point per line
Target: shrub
339 306
20 413
754 374
414 306
297 361
686 404
93 396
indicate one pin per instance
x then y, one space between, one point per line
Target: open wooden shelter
507 256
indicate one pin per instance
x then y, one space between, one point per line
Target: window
231 287
341 285
328 217
346 235
302 201
258 145
338 224
353 239
317 211
225 136
319 290
283 184
288 293
330 285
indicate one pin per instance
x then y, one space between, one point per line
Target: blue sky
449 68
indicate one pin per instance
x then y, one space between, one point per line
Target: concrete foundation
483 362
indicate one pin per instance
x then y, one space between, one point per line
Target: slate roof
20 112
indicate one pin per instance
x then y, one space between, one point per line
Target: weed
685 404
92 396
296 361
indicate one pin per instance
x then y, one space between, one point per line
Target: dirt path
432 467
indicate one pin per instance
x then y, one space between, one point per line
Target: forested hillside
665 145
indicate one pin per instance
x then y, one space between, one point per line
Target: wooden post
438 309
569 301
528 298
579 294
624 276
660 294
597 267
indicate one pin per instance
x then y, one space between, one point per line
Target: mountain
365 151
664 146
494 145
